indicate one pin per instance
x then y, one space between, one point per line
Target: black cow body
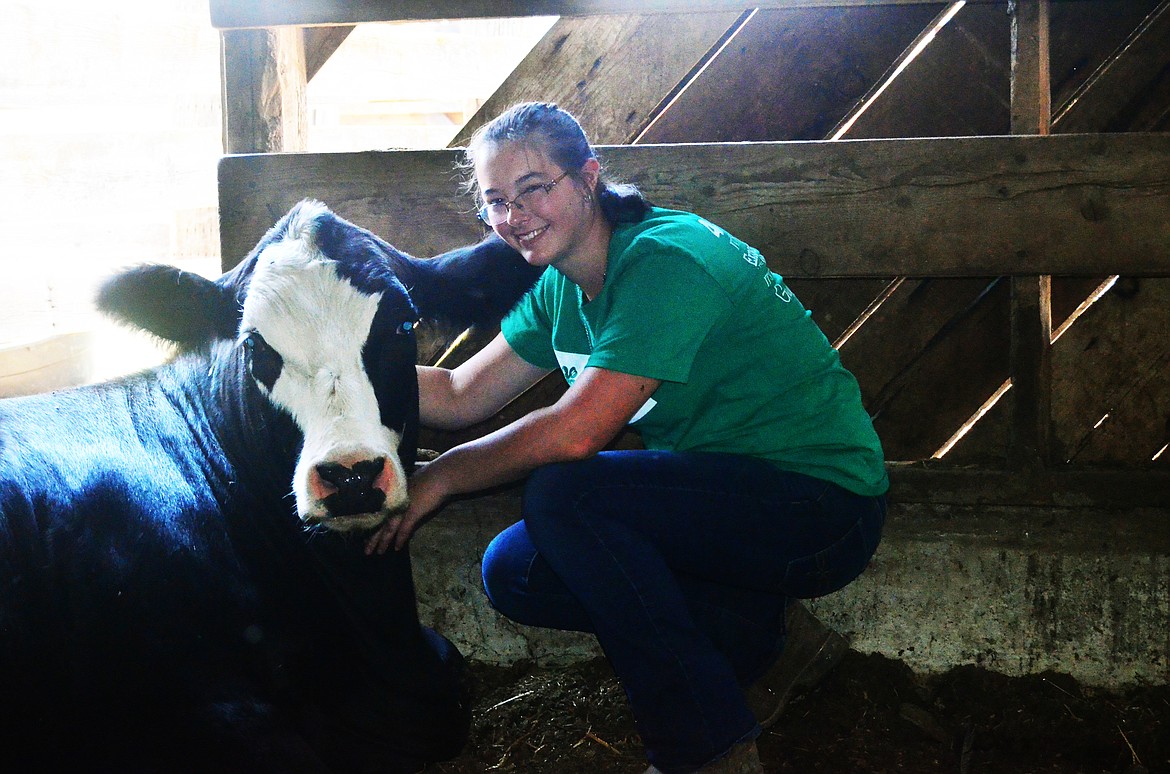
163 608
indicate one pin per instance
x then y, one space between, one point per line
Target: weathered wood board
928 358
1071 204
610 72
958 85
226 14
1111 377
1112 97
790 74
52 363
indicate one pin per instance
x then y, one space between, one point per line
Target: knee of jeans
503 571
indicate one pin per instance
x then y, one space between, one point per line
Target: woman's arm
451 399
590 414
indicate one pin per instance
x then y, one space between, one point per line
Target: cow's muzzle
354 488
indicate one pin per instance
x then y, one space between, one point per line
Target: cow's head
322 323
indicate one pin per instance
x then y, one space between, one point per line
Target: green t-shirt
744 369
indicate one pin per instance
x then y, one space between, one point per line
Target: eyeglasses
496 212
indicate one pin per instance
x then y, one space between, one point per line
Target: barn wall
1017 568
1018 590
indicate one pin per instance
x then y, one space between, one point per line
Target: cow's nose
354 490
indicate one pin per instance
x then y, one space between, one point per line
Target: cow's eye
264 362
407 328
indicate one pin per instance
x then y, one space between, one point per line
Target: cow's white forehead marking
304 310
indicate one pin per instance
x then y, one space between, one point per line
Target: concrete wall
1016 590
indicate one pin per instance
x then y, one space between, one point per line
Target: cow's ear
170 303
473 285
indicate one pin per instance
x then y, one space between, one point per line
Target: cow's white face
306 327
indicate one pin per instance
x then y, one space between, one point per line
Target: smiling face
548 229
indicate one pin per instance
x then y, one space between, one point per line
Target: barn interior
973 198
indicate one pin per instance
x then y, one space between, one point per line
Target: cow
183 585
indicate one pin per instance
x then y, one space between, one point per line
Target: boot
811 650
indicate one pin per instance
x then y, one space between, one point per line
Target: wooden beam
229 14
1075 52
1111 377
1031 298
1031 89
941 484
320 44
263 87
1031 371
967 206
936 348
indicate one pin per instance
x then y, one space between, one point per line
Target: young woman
762 478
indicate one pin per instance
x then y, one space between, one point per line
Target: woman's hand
588 416
426 496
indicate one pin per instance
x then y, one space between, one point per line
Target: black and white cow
182 579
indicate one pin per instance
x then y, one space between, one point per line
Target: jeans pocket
833 567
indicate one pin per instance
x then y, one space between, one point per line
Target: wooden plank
947 379
985 443
407 197
958 85
1084 35
1111 397
52 363
1137 427
320 44
936 348
610 72
1067 204
1031 371
263 78
228 14
924 346
790 74
836 304
1110 394
1118 85
942 484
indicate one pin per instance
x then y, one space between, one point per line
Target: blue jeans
682 565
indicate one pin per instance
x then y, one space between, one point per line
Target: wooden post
1029 446
263 79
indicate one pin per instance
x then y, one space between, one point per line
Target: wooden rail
233 14
940 207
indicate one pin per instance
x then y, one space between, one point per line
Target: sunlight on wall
413 84
109 136
110 131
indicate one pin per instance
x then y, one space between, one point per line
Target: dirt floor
871 714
